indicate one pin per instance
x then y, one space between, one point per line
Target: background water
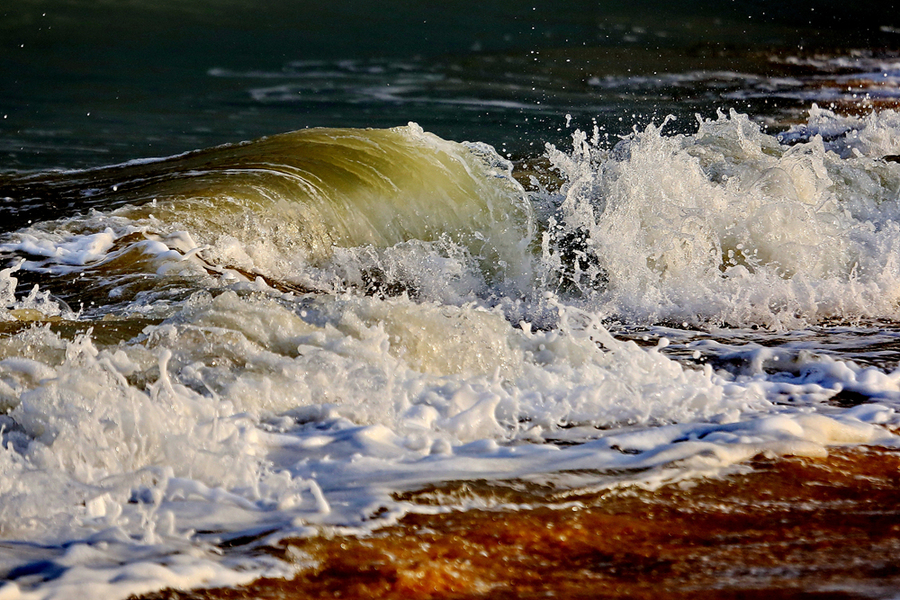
91 83
203 355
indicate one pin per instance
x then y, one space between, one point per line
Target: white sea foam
264 413
242 415
731 226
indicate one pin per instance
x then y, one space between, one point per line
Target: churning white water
237 379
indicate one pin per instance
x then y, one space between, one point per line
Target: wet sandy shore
788 528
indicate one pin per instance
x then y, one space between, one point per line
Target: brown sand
791 528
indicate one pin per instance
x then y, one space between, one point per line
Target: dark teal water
97 82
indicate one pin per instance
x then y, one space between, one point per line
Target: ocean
270 270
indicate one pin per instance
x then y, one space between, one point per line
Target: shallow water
257 285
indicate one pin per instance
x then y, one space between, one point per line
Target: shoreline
790 527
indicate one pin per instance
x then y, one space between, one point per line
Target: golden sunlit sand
811 528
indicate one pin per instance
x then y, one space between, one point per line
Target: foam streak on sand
816 528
